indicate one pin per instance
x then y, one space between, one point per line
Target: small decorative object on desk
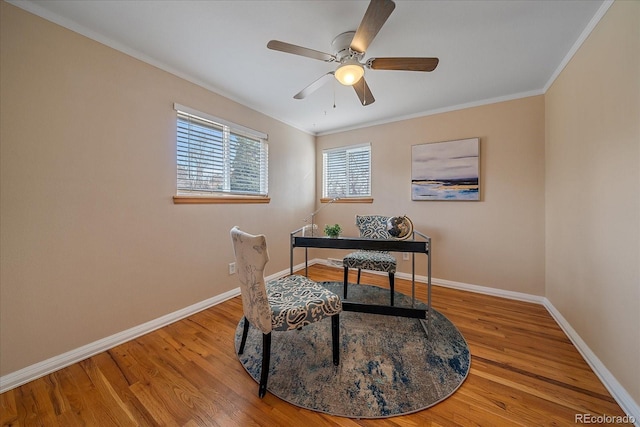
399 227
332 230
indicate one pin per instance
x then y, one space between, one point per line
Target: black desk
356 243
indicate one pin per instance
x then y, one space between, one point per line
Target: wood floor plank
110 404
8 409
77 391
575 399
524 371
114 375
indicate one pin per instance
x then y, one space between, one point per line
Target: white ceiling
488 50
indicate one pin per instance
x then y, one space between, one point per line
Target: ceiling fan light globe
349 74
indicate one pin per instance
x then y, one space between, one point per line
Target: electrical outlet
405 256
232 268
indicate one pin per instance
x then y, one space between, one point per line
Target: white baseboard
485 290
619 393
40 369
35 371
520 296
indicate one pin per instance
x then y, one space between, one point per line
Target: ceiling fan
349 49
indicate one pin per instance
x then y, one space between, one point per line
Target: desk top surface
360 243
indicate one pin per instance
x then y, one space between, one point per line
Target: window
346 172
219 158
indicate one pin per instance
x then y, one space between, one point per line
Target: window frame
227 131
346 198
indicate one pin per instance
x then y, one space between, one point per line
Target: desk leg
413 279
291 256
429 292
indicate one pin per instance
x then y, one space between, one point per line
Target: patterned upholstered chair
372 227
284 304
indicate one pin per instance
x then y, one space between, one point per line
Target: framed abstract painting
448 170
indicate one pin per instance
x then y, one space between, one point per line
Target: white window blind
346 171
215 156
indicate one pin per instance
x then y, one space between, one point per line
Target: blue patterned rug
387 365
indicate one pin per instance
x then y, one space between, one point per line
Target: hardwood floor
524 371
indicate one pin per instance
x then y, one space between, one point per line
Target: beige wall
91 243
496 242
593 197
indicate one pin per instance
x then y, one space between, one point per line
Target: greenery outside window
217 158
346 172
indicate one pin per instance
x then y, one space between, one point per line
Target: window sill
348 200
198 200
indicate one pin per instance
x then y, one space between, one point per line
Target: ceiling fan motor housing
342 51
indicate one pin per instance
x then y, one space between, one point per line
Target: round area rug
388 367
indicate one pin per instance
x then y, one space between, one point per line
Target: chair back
373 226
251 257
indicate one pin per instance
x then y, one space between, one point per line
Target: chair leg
391 285
346 281
335 338
266 357
245 331
359 276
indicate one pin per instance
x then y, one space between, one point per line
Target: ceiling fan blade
363 92
374 18
299 50
313 86
403 64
